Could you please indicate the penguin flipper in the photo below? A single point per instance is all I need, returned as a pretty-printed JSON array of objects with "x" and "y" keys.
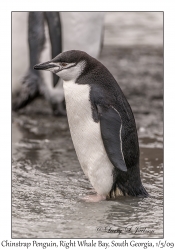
[{"x": 111, "y": 126}]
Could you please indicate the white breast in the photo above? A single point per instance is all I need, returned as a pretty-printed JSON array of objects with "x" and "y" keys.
[{"x": 86, "y": 137}]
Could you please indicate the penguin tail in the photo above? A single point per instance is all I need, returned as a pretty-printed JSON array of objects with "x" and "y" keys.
[
  {"x": 128, "y": 184},
  {"x": 138, "y": 192},
  {"x": 121, "y": 190}
]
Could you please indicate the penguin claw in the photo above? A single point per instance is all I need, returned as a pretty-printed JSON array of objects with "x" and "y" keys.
[{"x": 94, "y": 198}]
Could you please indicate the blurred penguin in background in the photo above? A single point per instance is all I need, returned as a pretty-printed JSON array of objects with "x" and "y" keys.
[{"x": 67, "y": 31}]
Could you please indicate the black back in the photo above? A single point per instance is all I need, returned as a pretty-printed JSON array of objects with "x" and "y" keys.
[
  {"x": 105, "y": 92},
  {"x": 106, "y": 97}
]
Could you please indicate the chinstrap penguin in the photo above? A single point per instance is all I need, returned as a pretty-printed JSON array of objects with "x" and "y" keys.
[{"x": 101, "y": 123}]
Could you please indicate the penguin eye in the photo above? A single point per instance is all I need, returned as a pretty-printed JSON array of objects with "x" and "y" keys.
[{"x": 63, "y": 64}]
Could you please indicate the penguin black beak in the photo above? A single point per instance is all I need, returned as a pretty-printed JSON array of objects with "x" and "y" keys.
[{"x": 45, "y": 66}]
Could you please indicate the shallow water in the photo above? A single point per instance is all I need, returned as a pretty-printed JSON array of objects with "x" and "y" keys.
[{"x": 47, "y": 184}]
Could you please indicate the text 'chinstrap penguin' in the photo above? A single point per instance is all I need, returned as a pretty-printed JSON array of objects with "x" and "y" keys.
[{"x": 101, "y": 123}]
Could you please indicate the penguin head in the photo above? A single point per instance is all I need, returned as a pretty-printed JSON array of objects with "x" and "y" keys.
[{"x": 68, "y": 65}]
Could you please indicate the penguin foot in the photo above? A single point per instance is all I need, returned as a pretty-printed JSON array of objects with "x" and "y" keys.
[
  {"x": 59, "y": 108},
  {"x": 28, "y": 91},
  {"x": 94, "y": 198}
]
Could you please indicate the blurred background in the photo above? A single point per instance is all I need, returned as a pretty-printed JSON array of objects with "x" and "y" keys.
[{"x": 47, "y": 179}]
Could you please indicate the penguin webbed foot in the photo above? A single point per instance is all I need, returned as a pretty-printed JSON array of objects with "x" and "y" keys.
[
  {"x": 28, "y": 91},
  {"x": 94, "y": 198},
  {"x": 58, "y": 108}
]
